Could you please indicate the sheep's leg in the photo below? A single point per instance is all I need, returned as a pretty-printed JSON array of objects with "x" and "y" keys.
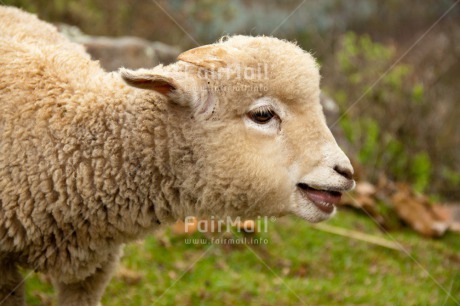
[
  {"x": 89, "y": 291},
  {"x": 11, "y": 285}
]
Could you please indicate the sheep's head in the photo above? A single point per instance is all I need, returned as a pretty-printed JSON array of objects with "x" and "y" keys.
[{"x": 249, "y": 110}]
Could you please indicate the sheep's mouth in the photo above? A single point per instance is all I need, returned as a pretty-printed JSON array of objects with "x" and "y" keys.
[{"x": 323, "y": 199}]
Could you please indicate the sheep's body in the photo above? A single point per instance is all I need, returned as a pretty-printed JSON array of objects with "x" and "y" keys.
[
  {"x": 88, "y": 163},
  {"x": 65, "y": 152}
]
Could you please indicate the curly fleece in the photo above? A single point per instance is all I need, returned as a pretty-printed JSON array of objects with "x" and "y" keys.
[{"x": 88, "y": 163}]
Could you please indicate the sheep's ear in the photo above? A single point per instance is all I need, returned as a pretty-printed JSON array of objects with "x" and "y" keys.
[
  {"x": 209, "y": 56},
  {"x": 147, "y": 80},
  {"x": 179, "y": 88}
]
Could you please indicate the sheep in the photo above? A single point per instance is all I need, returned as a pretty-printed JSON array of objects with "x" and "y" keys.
[{"x": 91, "y": 160}]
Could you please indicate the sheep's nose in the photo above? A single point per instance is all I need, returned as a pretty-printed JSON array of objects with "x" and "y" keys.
[{"x": 345, "y": 171}]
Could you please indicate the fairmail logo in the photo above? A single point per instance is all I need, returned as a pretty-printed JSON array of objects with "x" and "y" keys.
[{"x": 227, "y": 225}]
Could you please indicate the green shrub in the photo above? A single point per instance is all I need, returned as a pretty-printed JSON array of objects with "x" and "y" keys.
[{"x": 383, "y": 110}]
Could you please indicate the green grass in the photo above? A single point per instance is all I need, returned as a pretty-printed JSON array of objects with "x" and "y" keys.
[{"x": 299, "y": 266}]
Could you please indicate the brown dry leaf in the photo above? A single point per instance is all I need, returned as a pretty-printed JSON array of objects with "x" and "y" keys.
[
  {"x": 431, "y": 220},
  {"x": 417, "y": 212},
  {"x": 365, "y": 188},
  {"x": 441, "y": 213},
  {"x": 361, "y": 197},
  {"x": 365, "y": 197},
  {"x": 455, "y": 225}
]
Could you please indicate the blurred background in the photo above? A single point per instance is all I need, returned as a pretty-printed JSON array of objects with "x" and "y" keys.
[{"x": 390, "y": 81}]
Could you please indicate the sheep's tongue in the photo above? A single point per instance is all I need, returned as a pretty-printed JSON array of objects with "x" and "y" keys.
[
  {"x": 323, "y": 196},
  {"x": 324, "y": 200}
]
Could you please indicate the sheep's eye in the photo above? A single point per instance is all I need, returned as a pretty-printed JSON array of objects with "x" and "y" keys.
[{"x": 262, "y": 115}]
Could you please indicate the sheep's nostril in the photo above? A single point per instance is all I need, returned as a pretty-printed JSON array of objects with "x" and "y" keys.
[{"x": 345, "y": 172}]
